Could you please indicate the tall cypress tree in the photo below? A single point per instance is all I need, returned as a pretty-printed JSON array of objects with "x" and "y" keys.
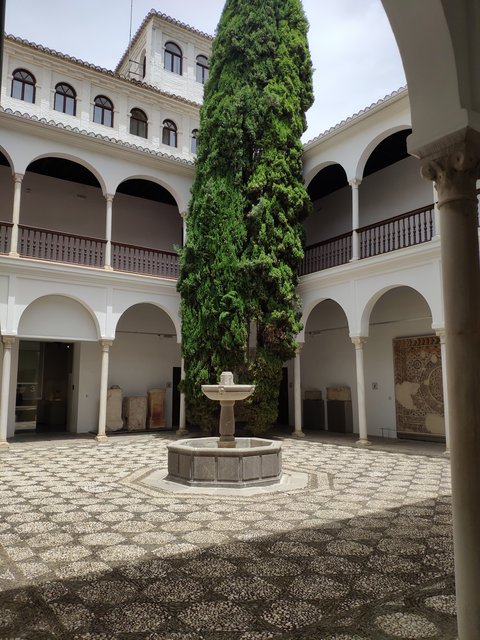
[{"x": 244, "y": 233}]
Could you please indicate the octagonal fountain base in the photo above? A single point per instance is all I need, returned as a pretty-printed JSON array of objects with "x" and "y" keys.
[{"x": 200, "y": 462}]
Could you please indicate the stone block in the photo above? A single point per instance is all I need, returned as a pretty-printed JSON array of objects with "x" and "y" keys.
[
  {"x": 270, "y": 465},
  {"x": 156, "y": 411},
  {"x": 185, "y": 467},
  {"x": 251, "y": 467},
  {"x": 204, "y": 468},
  {"x": 228, "y": 469},
  {"x": 135, "y": 412},
  {"x": 313, "y": 394},
  {"x": 173, "y": 463},
  {"x": 339, "y": 393},
  {"x": 114, "y": 421}
]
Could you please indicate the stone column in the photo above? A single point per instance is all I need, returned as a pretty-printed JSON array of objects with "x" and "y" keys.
[
  {"x": 108, "y": 233},
  {"x": 355, "y": 183},
  {"x": 441, "y": 334},
  {"x": 362, "y": 441},
  {"x": 454, "y": 164},
  {"x": 17, "y": 196},
  {"x": 8, "y": 342},
  {"x": 184, "y": 215},
  {"x": 102, "y": 414},
  {"x": 297, "y": 394},
  {"x": 182, "y": 429}
]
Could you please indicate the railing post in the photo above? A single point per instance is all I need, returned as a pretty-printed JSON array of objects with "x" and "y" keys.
[
  {"x": 355, "y": 183},
  {"x": 17, "y": 196},
  {"x": 108, "y": 233}
]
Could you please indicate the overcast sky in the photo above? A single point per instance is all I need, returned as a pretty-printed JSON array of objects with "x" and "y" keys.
[{"x": 354, "y": 53}]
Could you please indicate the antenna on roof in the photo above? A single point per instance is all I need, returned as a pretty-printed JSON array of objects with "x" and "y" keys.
[{"x": 130, "y": 35}]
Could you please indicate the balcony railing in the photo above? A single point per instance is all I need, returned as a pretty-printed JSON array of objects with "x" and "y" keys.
[
  {"x": 128, "y": 257},
  {"x": 402, "y": 231},
  {"x": 406, "y": 230},
  {"x": 45, "y": 244},
  {"x": 5, "y": 232},
  {"x": 326, "y": 254}
]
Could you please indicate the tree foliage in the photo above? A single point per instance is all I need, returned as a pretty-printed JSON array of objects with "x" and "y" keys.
[{"x": 244, "y": 233}]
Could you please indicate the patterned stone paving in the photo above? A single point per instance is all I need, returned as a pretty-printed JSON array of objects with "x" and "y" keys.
[{"x": 87, "y": 554}]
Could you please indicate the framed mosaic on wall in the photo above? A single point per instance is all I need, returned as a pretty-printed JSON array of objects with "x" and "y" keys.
[{"x": 418, "y": 388}]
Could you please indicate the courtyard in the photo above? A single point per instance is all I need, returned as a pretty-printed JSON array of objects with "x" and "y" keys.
[{"x": 89, "y": 550}]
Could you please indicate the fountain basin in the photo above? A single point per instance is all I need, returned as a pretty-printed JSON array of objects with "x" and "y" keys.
[{"x": 202, "y": 463}]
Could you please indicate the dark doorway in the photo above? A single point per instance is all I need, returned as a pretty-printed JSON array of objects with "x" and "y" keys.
[
  {"x": 44, "y": 370},
  {"x": 283, "y": 418},
  {"x": 176, "y": 377}
]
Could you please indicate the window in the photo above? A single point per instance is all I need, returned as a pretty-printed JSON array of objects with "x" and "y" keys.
[
  {"x": 169, "y": 133},
  {"x": 193, "y": 142},
  {"x": 23, "y": 86},
  {"x": 202, "y": 69},
  {"x": 65, "y": 99},
  {"x": 138, "y": 123},
  {"x": 173, "y": 58},
  {"x": 143, "y": 65},
  {"x": 103, "y": 111}
]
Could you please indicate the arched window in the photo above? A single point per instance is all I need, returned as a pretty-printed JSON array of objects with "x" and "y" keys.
[
  {"x": 169, "y": 133},
  {"x": 65, "y": 99},
  {"x": 202, "y": 69},
  {"x": 193, "y": 141},
  {"x": 138, "y": 123},
  {"x": 103, "y": 111},
  {"x": 23, "y": 85},
  {"x": 173, "y": 58}
]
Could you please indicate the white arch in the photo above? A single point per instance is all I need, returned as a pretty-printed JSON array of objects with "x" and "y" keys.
[
  {"x": 315, "y": 170},
  {"x": 362, "y": 161},
  {"x": 77, "y": 326},
  {"x": 162, "y": 183},
  {"x": 78, "y": 160},
  {"x": 341, "y": 294},
  {"x": 124, "y": 305}
]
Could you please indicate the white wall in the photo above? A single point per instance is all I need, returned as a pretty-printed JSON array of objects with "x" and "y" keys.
[
  {"x": 394, "y": 190},
  {"x": 332, "y": 216}
]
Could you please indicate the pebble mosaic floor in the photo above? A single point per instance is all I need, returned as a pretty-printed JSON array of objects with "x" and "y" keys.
[{"x": 89, "y": 553}]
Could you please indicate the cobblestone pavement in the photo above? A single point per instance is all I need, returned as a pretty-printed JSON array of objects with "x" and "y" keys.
[{"x": 89, "y": 553}]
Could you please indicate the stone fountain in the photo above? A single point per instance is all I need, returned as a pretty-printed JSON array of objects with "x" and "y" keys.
[{"x": 225, "y": 461}]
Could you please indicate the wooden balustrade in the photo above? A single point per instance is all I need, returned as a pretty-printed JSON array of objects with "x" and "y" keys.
[
  {"x": 45, "y": 244},
  {"x": 127, "y": 257},
  {"x": 327, "y": 254},
  {"x": 405, "y": 230},
  {"x": 5, "y": 234}
]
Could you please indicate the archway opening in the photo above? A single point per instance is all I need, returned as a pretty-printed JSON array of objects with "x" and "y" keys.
[
  {"x": 146, "y": 356},
  {"x": 6, "y": 188},
  {"x": 403, "y": 369}
]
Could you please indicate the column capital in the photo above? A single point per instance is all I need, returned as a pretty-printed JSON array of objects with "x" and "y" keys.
[
  {"x": 358, "y": 341},
  {"x": 299, "y": 347},
  {"x": 18, "y": 177},
  {"x": 8, "y": 341},
  {"x": 355, "y": 182},
  {"x": 184, "y": 214},
  {"x": 106, "y": 344},
  {"x": 453, "y": 164},
  {"x": 109, "y": 197},
  {"x": 441, "y": 334}
]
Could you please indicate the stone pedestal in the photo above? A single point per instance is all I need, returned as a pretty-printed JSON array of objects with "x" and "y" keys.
[
  {"x": 135, "y": 412},
  {"x": 114, "y": 420},
  {"x": 156, "y": 409}
]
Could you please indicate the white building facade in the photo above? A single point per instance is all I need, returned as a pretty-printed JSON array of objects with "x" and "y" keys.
[{"x": 95, "y": 171}]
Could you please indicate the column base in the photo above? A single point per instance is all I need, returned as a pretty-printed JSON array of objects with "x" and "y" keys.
[
  {"x": 13, "y": 254},
  {"x": 298, "y": 434},
  {"x": 101, "y": 438},
  {"x": 108, "y": 268},
  {"x": 363, "y": 443},
  {"x": 182, "y": 432},
  {"x": 4, "y": 445},
  {"x": 446, "y": 453},
  {"x": 354, "y": 259}
]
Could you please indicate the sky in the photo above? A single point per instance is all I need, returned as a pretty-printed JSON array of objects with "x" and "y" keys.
[{"x": 354, "y": 53}]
